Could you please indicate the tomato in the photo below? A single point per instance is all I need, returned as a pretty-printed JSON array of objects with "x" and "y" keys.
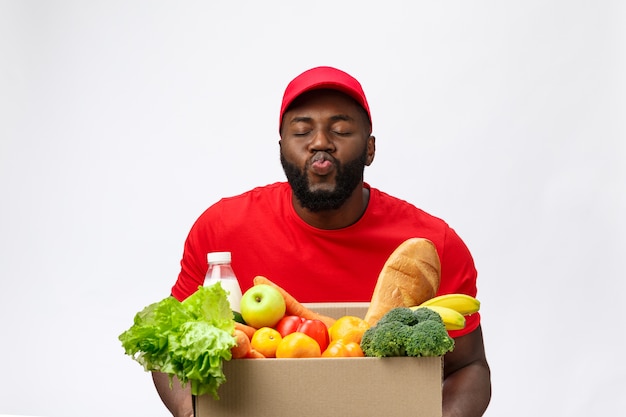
[
  {"x": 317, "y": 330},
  {"x": 298, "y": 345},
  {"x": 348, "y": 328},
  {"x": 312, "y": 328},
  {"x": 354, "y": 350},
  {"x": 342, "y": 349}
]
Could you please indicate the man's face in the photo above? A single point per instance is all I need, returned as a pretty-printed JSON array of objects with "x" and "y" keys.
[{"x": 324, "y": 148}]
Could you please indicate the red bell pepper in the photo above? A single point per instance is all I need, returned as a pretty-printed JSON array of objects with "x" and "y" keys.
[
  {"x": 313, "y": 328},
  {"x": 288, "y": 324}
]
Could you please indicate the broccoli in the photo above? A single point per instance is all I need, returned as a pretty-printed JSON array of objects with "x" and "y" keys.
[
  {"x": 428, "y": 338},
  {"x": 386, "y": 339},
  {"x": 404, "y": 332},
  {"x": 402, "y": 314},
  {"x": 424, "y": 314}
]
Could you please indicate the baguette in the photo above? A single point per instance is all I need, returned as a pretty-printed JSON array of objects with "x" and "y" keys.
[{"x": 409, "y": 277}]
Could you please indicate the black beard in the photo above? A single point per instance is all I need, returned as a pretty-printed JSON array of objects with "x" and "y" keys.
[{"x": 349, "y": 176}]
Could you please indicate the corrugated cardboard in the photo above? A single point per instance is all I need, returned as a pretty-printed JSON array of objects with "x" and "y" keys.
[{"x": 325, "y": 387}]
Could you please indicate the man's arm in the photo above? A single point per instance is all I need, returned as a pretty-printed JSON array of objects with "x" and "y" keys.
[
  {"x": 467, "y": 378},
  {"x": 176, "y": 398}
]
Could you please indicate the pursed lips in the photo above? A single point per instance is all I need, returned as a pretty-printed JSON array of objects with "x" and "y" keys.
[{"x": 322, "y": 163}]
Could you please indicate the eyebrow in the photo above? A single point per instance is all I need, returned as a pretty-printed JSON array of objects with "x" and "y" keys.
[
  {"x": 300, "y": 119},
  {"x": 343, "y": 117},
  {"x": 334, "y": 118}
]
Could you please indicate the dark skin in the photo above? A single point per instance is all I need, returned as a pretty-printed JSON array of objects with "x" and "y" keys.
[
  {"x": 334, "y": 127},
  {"x": 328, "y": 121},
  {"x": 331, "y": 124},
  {"x": 467, "y": 378},
  {"x": 177, "y": 399}
]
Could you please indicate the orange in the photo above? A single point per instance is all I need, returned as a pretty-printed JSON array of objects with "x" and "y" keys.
[
  {"x": 298, "y": 345},
  {"x": 341, "y": 349},
  {"x": 348, "y": 328},
  {"x": 265, "y": 340}
]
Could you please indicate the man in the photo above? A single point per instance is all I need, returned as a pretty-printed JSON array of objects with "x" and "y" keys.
[{"x": 325, "y": 234}]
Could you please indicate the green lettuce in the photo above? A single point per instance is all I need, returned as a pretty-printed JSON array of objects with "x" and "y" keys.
[{"x": 188, "y": 339}]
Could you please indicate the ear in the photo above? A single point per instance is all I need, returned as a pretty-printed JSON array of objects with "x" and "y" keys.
[{"x": 371, "y": 150}]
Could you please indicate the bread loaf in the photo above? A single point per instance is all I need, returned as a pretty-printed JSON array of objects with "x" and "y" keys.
[{"x": 409, "y": 277}]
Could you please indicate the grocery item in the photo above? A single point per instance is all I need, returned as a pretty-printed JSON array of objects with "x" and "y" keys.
[
  {"x": 463, "y": 303},
  {"x": 409, "y": 277},
  {"x": 294, "y": 307},
  {"x": 221, "y": 270}
]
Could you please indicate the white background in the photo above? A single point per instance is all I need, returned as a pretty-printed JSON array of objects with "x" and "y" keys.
[{"x": 121, "y": 121}]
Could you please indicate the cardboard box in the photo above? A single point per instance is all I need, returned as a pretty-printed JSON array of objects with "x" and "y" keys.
[{"x": 325, "y": 387}]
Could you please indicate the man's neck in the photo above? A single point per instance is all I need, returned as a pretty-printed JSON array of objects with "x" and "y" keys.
[{"x": 349, "y": 213}]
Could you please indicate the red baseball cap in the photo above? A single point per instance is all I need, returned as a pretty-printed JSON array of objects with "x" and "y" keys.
[{"x": 319, "y": 78}]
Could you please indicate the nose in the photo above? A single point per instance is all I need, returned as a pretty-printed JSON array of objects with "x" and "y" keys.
[{"x": 321, "y": 141}]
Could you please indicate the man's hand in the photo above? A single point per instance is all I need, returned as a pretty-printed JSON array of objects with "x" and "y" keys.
[
  {"x": 176, "y": 398},
  {"x": 467, "y": 378}
]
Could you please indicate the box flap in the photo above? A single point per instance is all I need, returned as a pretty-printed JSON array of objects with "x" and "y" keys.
[{"x": 336, "y": 310}]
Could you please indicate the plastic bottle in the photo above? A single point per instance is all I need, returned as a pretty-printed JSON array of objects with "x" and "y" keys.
[{"x": 221, "y": 270}]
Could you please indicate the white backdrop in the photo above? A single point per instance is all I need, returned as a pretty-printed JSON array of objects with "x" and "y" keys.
[{"x": 121, "y": 121}]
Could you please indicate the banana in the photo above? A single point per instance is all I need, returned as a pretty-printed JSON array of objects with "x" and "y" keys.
[
  {"x": 452, "y": 319},
  {"x": 462, "y": 303}
]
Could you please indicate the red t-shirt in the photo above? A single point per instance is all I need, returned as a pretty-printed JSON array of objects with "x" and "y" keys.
[{"x": 266, "y": 237}]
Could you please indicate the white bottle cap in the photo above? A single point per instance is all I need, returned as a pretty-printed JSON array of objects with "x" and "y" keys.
[{"x": 218, "y": 257}]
